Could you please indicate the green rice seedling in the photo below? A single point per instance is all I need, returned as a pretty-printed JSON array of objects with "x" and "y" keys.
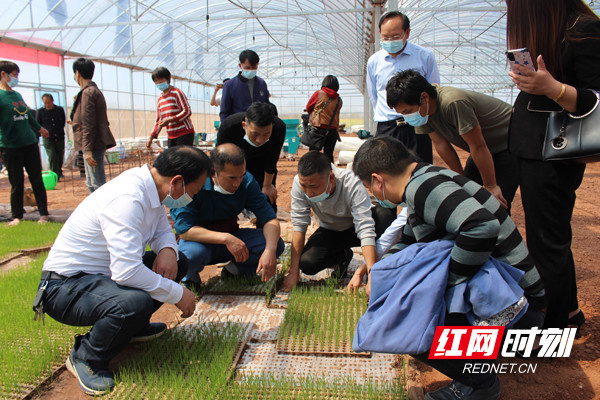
[
  {"x": 29, "y": 350},
  {"x": 27, "y": 235},
  {"x": 192, "y": 362}
]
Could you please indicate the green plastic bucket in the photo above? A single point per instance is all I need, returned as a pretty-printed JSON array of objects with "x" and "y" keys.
[{"x": 50, "y": 180}]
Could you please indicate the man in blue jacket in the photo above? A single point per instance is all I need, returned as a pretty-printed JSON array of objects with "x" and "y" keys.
[
  {"x": 246, "y": 88},
  {"x": 208, "y": 225}
]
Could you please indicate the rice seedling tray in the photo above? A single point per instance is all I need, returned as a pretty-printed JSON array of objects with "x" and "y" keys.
[{"x": 321, "y": 321}]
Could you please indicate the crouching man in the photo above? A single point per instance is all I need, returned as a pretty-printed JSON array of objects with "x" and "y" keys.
[
  {"x": 441, "y": 204},
  {"x": 208, "y": 225},
  {"x": 97, "y": 273},
  {"x": 343, "y": 207}
]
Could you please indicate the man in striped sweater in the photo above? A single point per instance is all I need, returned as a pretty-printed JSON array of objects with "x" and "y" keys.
[
  {"x": 441, "y": 204},
  {"x": 172, "y": 111}
]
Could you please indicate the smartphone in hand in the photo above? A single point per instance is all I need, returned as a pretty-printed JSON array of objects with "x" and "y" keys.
[{"x": 520, "y": 57}]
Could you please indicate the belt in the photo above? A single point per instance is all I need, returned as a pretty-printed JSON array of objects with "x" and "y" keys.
[
  {"x": 396, "y": 122},
  {"x": 52, "y": 276}
]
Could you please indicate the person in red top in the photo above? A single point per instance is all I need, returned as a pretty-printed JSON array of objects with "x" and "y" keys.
[
  {"x": 172, "y": 111},
  {"x": 324, "y": 109}
]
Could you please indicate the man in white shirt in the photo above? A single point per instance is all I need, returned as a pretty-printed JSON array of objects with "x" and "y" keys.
[
  {"x": 397, "y": 54},
  {"x": 97, "y": 273}
]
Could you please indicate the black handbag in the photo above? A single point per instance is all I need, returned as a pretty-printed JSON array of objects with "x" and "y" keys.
[
  {"x": 574, "y": 138},
  {"x": 314, "y": 137}
]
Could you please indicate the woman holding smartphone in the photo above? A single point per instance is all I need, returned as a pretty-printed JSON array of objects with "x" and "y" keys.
[{"x": 563, "y": 37}]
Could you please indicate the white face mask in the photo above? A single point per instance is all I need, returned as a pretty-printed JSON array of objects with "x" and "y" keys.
[
  {"x": 182, "y": 201},
  {"x": 218, "y": 188}
]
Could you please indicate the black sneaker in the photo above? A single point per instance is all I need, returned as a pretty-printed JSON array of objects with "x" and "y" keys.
[
  {"x": 152, "y": 331},
  {"x": 459, "y": 391},
  {"x": 92, "y": 382}
]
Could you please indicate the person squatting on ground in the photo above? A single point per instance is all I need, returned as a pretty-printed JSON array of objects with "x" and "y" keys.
[
  {"x": 172, "y": 111},
  {"x": 472, "y": 121},
  {"x": 343, "y": 207},
  {"x": 53, "y": 118},
  {"x": 97, "y": 273},
  {"x": 91, "y": 132},
  {"x": 563, "y": 37},
  {"x": 208, "y": 226},
  {"x": 442, "y": 204},
  {"x": 321, "y": 106},
  {"x": 260, "y": 134},
  {"x": 19, "y": 144}
]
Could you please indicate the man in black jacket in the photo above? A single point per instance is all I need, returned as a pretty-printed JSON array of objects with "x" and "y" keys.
[
  {"x": 52, "y": 117},
  {"x": 260, "y": 134}
]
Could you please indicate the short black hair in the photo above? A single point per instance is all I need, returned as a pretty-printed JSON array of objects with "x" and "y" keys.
[
  {"x": 331, "y": 82},
  {"x": 406, "y": 87},
  {"x": 383, "y": 154},
  {"x": 85, "y": 67},
  {"x": 395, "y": 14},
  {"x": 314, "y": 162},
  {"x": 48, "y": 95},
  {"x": 161, "y": 73},
  {"x": 260, "y": 114},
  {"x": 249, "y": 55},
  {"x": 9, "y": 67},
  {"x": 227, "y": 153},
  {"x": 187, "y": 161}
]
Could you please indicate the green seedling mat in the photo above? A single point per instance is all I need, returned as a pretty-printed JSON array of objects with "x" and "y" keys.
[
  {"x": 192, "y": 362},
  {"x": 24, "y": 342},
  {"x": 270, "y": 388},
  {"x": 314, "y": 322}
]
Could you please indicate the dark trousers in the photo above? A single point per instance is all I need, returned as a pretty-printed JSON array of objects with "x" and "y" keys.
[
  {"x": 186, "y": 140},
  {"x": 454, "y": 368},
  {"x": 325, "y": 249},
  {"x": 55, "y": 149},
  {"x": 507, "y": 174},
  {"x": 15, "y": 159},
  {"x": 256, "y": 166},
  {"x": 329, "y": 145},
  {"x": 548, "y": 195},
  {"x": 116, "y": 312},
  {"x": 202, "y": 254},
  {"x": 421, "y": 144}
]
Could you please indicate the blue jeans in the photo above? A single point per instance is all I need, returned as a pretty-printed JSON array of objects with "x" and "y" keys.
[
  {"x": 201, "y": 254},
  {"x": 94, "y": 176},
  {"x": 116, "y": 312}
]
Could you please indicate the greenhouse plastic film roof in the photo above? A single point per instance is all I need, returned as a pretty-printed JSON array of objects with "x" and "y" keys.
[{"x": 299, "y": 41}]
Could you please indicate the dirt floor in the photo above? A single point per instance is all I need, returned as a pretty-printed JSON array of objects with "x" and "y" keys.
[{"x": 577, "y": 377}]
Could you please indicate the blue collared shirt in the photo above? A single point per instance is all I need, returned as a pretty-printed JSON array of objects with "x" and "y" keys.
[
  {"x": 209, "y": 206},
  {"x": 382, "y": 66}
]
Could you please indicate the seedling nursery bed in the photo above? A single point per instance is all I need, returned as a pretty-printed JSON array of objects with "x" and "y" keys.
[{"x": 321, "y": 321}]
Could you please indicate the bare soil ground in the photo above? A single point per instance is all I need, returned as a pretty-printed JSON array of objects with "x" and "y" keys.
[{"x": 577, "y": 377}]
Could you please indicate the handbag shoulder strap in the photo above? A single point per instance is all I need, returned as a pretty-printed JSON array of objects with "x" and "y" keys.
[
  {"x": 333, "y": 114},
  {"x": 317, "y": 112}
]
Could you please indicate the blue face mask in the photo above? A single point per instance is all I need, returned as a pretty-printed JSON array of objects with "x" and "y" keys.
[
  {"x": 162, "y": 86},
  {"x": 219, "y": 189},
  {"x": 383, "y": 203},
  {"x": 247, "y": 139},
  {"x": 249, "y": 73},
  {"x": 416, "y": 119},
  {"x": 182, "y": 201},
  {"x": 13, "y": 82},
  {"x": 393, "y": 46},
  {"x": 319, "y": 198}
]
